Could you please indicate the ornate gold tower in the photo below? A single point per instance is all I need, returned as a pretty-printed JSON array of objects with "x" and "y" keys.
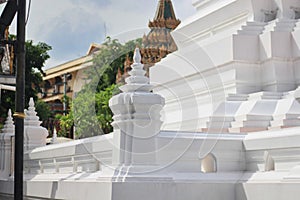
[{"x": 158, "y": 43}]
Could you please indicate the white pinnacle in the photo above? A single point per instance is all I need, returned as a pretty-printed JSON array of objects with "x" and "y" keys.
[
  {"x": 9, "y": 126},
  {"x": 31, "y": 118},
  {"x": 9, "y": 115},
  {"x": 54, "y": 137},
  {"x": 137, "y": 81},
  {"x": 31, "y": 103},
  {"x": 137, "y": 58}
]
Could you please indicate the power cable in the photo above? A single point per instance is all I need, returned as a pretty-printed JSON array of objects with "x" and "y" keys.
[{"x": 28, "y": 12}]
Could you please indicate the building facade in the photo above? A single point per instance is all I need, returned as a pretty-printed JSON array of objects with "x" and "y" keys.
[
  {"x": 63, "y": 82},
  {"x": 66, "y": 79}
]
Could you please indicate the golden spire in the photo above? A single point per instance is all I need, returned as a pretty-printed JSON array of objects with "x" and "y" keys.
[
  {"x": 165, "y": 10},
  {"x": 165, "y": 16}
]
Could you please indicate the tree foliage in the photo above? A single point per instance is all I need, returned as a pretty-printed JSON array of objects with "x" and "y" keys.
[
  {"x": 66, "y": 124},
  {"x": 91, "y": 113},
  {"x": 107, "y": 62},
  {"x": 43, "y": 110},
  {"x": 36, "y": 56},
  {"x": 103, "y": 112}
]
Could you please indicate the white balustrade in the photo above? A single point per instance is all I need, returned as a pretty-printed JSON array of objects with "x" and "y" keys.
[{"x": 6, "y": 150}]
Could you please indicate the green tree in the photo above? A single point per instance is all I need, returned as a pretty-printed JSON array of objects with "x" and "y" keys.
[
  {"x": 104, "y": 114},
  {"x": 107, "y": 62},
  {"x": 43, "y": 110},
  {"x": 91, "y": 112},
  {"x": 36, "y": 56},
  {"x": 7, "y": 102},
  {"x": 66, "y": 123},
  {"x": 84, "y": 115}
]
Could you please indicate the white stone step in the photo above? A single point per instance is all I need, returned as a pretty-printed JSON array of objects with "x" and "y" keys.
[
  {"x": 291, "y": 122},
  {"x": 218, "y": 124},
  {"x": 249, "y": 32},
  {"x": 286, "y": 116},
  {"x": 275, "y": 128},
  {"x": 253, "y": 117},
  {"x": 285, "y": 122},
  {"x": 214, "y": 130},
  {"x": 246, "y": 130},
  {"x": 252, "y": 28},
  {"x": 237, "y": 97},
  {"x": 266, "y": 95},
  {"x": 280, "y": 127},
  {"x": 283, "y": 29},
  {"x": 247, "y": 124},
  {"x": 221, "y": 119},
  {"x": 252, "y": 23}
]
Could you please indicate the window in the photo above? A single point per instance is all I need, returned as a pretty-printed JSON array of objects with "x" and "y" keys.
[{"x": 58, "y": 80}]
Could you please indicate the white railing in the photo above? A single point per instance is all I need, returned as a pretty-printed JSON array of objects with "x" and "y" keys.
[
  {"x": 12, "y": 155},
  {"x": 7, "y": 155},
  {"x": 86, "y": 155}
]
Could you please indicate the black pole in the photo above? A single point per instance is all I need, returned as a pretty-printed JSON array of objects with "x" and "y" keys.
[
  {"x": 65, "y": 94},
  {"x": 20, "y": 101}
]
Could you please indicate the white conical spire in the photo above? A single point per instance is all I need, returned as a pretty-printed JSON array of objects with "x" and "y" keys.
[
  {"x": 137, "y": 81},
  {"x": 137, "y": 58},
  {"x": 54, "y": 137},
  {"x": 31, "y": 118},
  {"x": 9, "y": 126}
]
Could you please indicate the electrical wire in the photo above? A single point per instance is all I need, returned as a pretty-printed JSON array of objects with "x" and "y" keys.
[{"x": 28, "y": 12}]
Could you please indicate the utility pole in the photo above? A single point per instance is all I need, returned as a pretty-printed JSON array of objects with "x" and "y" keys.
[{"x": 20, "y": 101}]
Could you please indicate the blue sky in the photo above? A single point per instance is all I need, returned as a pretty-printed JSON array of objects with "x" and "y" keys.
[{"x": 70, "y": 26}]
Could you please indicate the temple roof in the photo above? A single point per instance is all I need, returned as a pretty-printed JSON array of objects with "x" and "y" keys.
[
  {"x": 165, "y": 16},
  {"x": 165, "y": 10}
]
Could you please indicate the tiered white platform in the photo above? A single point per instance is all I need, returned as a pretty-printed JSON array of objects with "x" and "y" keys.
[{"x": 231, "y": 54}]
